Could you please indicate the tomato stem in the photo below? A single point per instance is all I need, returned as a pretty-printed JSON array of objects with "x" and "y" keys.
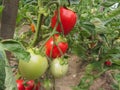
[
  {"x": 54, "y": 31},
  {"x": 53, "y": 83},
  {"x": 38, "y": 32},
  {"x": 59, "y": 20}
]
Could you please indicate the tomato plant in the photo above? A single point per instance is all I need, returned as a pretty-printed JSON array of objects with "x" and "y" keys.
[
  {"x": 33, "y": 69},
  {"x": 95, "y": 40},
  {"x": 56, "y": 46},
  {"x": 68, "y": 20},
  {"x": 59, "y": 67},
  {"x": 29, "y": 85}
]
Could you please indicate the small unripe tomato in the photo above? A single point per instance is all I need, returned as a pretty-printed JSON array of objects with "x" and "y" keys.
[{"x": 58, "y": 68}]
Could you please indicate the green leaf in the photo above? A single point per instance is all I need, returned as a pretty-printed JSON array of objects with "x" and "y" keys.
[
  {"x": 7, "y": 80},
  {"x": 114, "y": 13},
  {"x": 17, "y": 49},
  {"x": 2, "y": 69},
  {"x": 10, "y": 82},
  {"x": 78, "y": 50},
  {"x": 89, "y": 68},
  {"x": 85, "y": 33},
  {"x": 96, "y": 65},
  {"x": 107, "y": 3},
  {"x": 116, "y": 61},
  {"x": 117, "y": 77},
  {"x": 99, "y": 26},
  {"x": 89, "y": 26},
  {"x": 86, "y": 82}
]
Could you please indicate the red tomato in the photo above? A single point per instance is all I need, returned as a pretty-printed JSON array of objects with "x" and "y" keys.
[
  {"x": 20, "y": 84},
  {"x": 68, "y": 20},
  {"x": 108, "y": 63},
  {"x": 56, "y": 50},
  {"x": 29, "y": 85},
  {"x": 37, "y": 86}
]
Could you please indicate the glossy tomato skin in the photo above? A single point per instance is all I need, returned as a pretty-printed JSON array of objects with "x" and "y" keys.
[
  {"x": 58, "y": 69},
  {"x": 20, "y": 84},
  {"x": 68, "y": 20},
  {"x": 33, "y": 69},
  {"x": 53, "y": 50},
  {"x": 29, "y": 85}
]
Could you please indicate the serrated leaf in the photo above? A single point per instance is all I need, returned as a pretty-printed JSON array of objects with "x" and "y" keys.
[{"x": 16, "y": 48}]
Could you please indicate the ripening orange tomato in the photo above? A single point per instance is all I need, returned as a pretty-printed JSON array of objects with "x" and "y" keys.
[{"x": 32, "y": 26}]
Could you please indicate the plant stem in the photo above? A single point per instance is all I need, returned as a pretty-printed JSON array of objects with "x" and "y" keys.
[
  {"x": 53, "y": 83},
  {"x": 38, "y": 32},
  {"x": 54, "y": 31}
]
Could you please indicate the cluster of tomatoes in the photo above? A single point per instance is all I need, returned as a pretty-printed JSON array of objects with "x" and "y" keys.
[
  {"x": 29, "y": 85},
  {"x": 55, "y": 49}
]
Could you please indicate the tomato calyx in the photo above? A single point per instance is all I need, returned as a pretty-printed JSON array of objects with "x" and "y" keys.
[
  {"x": 61, "y": 39},
  {"x": 35, "y": 51},
  {"x": 63, "y": 61}
]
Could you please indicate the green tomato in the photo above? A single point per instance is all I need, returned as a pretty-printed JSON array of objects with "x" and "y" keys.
[
  {"x": 59, "y": 67},
  {"x": 35, "y": 68}
]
